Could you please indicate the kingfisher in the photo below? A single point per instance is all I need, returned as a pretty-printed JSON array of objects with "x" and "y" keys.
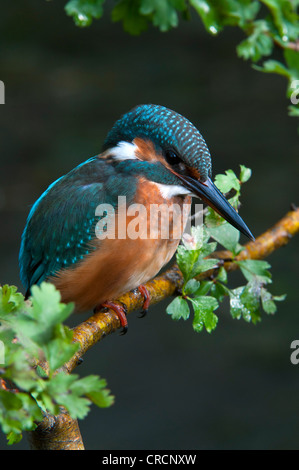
[{"x": 152, "y": 155}]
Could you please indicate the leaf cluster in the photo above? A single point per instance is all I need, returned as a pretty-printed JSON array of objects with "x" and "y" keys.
[
  {"x": 32, "y": 335},
  {"x": 264, "y": 23},
  {"x": 196, "y": 256}
]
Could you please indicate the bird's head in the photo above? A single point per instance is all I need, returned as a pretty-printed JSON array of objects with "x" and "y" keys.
[{"x": 156, "y": 134}]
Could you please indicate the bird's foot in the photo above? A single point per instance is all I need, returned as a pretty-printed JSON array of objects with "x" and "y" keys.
[
  {"x": 120, "y": 312},
  {"x": 147, "y": 298}
]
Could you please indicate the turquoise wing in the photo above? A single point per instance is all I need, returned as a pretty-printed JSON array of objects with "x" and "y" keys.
[{"x": 61, "y": 223}]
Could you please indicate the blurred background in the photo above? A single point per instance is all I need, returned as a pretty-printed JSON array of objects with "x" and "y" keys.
[{"x": 235, "y": 388}]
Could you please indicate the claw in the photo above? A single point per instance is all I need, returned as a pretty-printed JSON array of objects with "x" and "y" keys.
[
  {"x": 120, "y": 312},
  {"x": 143, "y": 291}
]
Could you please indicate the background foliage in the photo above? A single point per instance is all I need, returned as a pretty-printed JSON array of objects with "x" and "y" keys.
[{"x": 265, "y": 24}]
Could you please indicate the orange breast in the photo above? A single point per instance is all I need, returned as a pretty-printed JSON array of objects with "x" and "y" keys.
[{"x": 118, "y": 265}]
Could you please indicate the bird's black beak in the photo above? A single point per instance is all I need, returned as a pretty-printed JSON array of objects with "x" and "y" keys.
[{"x": 210, "y": 194}]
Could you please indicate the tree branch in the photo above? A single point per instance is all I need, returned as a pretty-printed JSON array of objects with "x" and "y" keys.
[
  {"x": 101, "y": 324},
  {"x": 59, "y": 432},
  {"x": 62, "y": 432}
]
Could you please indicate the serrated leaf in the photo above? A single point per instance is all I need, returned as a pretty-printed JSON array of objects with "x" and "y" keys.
[
  {"x": 10, "y": 299},
  {"x": 58, "y": 352},
  {"x": 163, "y": 12},
  {"x": 191, "y": 287},
  {"x": 186, "y": 259},
  {"x": 38, "y": 323},
  {"x": 255, "y": 269},
  {"x": 202, "y": 265},
  {"x": 178, "y": 309},
  {"x": 268, "y": 301},
  {"x": 285, "y": 18},
  {"x": 128, "y": 12},
  {"x": 227, "y": 235},
  {"x": 209, "y": 15},
  {"x": 257, "y": 44},
  {"x": 95, "y": 389},
  {"x": 84, "y": 11},
  {"x": 204, "y": 307},
  {"x": 227, "y": 182},
  {"x": 245, "y": 302},
  {"x": 245, "y": 173},
  {"x": 273, "y": 66}
]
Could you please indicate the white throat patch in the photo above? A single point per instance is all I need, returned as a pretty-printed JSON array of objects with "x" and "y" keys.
[
  {"x": 123, "y": 151},
  {"x": 170, "y": 190}
]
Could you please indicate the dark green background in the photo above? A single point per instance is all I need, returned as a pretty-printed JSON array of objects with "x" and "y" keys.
[{"x": 65, "y": 86}]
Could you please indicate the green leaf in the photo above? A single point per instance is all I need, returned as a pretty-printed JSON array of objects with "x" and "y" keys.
[
  {"x": 204, "y": 307},
  {"x": 58, "y": 352},
  {"x": 273, "y": 66},
  {"x": 10, "y": 299},
  {"x": 95, "y": 389},
  {"x": 257, "y": 44},
  {"x": 178, "y": 309},
  {"x": 219, "y": 291},
  {"x": 203, "y": 289},
  {"x": 227, "y": 235},
  {"x": 128, "y": 12},
  {"x": 84, "y": 11},
  {"x": 191, "y": 287},
  {"x": 255, "y": 269},
  {"x": 13, "y": 437},
  {"x": 268, "y": 301},
  {"x": 294, "y": 111},
  {"x": 244, "y": 302},
  {"x": 18, "y": 412},
  {"x": 245, "y": 173},
  {"x": 227, "y": 182},
  {"x": 32, "y": 332},
  {"x": 38, "y": 323},
  {"x": 222, "y": 275},
  {"x": 202, "y": 265},
  {"x": 186, "y": 259},
  {"x": 209, "y": 15},
  {"x": 285, "y": 18},
  {"x": 198, "y": 240},
  {"x": 163, "y": 12}
]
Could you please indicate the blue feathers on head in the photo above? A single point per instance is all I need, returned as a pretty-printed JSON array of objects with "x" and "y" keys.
[{"x": 167, "y": 129}]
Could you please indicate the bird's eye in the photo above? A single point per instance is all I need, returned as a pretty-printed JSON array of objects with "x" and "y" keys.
[{"x": 171, "y": 157}]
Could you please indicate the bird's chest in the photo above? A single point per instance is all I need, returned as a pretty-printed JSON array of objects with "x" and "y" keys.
[
  {"x": 141, "y": 239},
  {"x": 154, "y": 217},
  {"x": 154, "y": 227}
]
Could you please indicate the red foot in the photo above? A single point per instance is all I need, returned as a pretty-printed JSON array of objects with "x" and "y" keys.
[
  {"x": 147, "y": 298},
  {"x": 120, "y": 313}
]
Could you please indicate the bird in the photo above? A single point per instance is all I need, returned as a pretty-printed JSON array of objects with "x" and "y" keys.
[{"x": 152, "y": 155}]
